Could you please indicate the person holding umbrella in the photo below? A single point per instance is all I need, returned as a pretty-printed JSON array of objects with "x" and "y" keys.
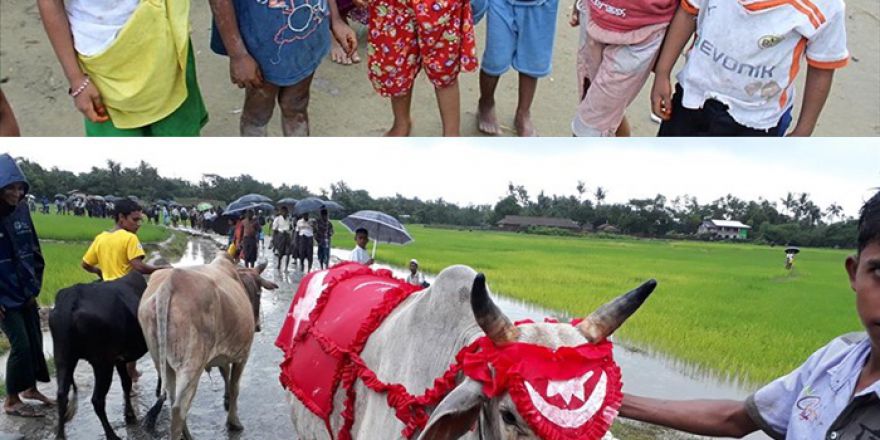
[
  {"x": 281, "y": 227},
  {"x": 359, "y": 254},
  {"x": 323, "y": 234},
  {"x": 382, "y": 227},
  {"x": 305, "y": 242},
  {"x": 249, "y": 228}
]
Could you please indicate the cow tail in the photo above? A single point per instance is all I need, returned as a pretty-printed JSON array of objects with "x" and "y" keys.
[{"x": 163, "y": 301}]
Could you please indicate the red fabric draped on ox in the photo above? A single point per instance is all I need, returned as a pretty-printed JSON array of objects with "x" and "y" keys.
[{"x": 331, "y": 317}]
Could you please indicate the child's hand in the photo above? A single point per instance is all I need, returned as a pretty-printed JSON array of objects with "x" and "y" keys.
[
  {"x": 661, "y": 97},
  {"x": 575, "y": 18},
  {"x": 245, "y": 72},
  {"x": 345, "y": 36},
  {"x": 89, "y": 103}
]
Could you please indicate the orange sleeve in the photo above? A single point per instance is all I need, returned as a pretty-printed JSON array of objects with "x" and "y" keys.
[
  {"x": 828, "y": 65},
  {"x": 689, "y": 7}
]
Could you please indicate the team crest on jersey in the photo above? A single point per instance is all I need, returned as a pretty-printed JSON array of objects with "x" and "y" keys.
[{"x": 768, "y": 41}]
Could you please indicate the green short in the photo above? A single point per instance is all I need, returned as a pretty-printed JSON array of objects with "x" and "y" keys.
[{"x": 187, "y": 120}]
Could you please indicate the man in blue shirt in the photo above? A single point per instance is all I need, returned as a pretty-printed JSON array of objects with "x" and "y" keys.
[
  {"x": 834, "y": 395},
  {"x": 21, "y": 276}
]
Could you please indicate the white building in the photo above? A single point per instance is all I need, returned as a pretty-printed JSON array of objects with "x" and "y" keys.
[{"x": 724, "y": 229}]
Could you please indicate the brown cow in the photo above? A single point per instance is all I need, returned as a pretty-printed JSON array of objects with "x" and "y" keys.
[{"x": 195, "y": 318}]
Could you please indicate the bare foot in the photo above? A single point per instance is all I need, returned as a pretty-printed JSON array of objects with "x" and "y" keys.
[
  {"x": 487, "y": 122},
  {"x": 337, "y": 53},
  {"x": 399, "y": 129},
  {"x": 524, "y": 126},
  {"x": 34, "y": 394}
]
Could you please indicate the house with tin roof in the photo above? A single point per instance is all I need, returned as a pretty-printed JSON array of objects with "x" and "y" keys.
[{"x": 724, "y": 229}]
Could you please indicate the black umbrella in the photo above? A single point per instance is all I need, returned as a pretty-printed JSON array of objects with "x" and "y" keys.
[
  {"x": 312, "y": 204},
  {"x": 221, "y": 224},
  {"x": 792, "y": 250},
  {"x": 60, "y": 197},
  {"x": 289, "y": 202},
  {"x": 381, "y": 227},
  {"x": 161, "y": 202},
  {"x": 253, "y": 198}
]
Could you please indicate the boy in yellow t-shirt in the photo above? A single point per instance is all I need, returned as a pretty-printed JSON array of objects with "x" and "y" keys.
[{"x": 116, "y": 252}]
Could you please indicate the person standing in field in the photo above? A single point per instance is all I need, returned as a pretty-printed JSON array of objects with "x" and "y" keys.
[
  {"x": 274, "y": 49},
  {"x": 129, "y": 65},
  {"x": 21, "y": 278},
  {"x": 415, "y": 277},
  {"x": 323, "y": 235},
  {"x": 519, "y": 34},
  {"x": 406, "y": 36},
  {"x": 620, "y": 40},
  {"x": 835, "y": 394},
  {"x": 739, "y": 77},
  {"x": 116, "y": 252}
]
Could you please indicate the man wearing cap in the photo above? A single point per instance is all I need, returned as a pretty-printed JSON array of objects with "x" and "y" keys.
[
  {"x": 21, "y": 277},
  {"x": 415, "y": 277}
]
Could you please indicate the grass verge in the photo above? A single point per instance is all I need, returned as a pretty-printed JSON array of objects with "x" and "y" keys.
[
  {"x": 73, "y": 228},
  {"x": 729, "y": 309}
]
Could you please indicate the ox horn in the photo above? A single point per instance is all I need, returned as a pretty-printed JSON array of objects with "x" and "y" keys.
[
  {"x": 490, "y": 318},
  {"x": 606, "y": 319}
]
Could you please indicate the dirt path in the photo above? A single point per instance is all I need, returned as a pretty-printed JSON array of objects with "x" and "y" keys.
[{"x": 344, "y": 104}]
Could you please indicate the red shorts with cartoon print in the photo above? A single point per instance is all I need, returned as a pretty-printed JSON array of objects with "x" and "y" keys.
[{"x": 408, "y": 34}]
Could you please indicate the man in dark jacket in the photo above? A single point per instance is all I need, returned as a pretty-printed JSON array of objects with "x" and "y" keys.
[{"x": 21, "y": 276}]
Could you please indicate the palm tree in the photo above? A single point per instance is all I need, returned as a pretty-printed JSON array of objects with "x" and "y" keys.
[
  {"x": 789, "y": 202},
  {"x": 600, "y": 195},
  {"x": 834, "y": 211}
]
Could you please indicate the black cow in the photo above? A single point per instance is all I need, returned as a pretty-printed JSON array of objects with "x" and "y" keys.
[{"x": 97, "y": 322}]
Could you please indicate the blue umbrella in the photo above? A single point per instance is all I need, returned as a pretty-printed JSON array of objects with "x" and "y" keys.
[
  {"x": 381, "y": 227},
  {"x": 236, "y": 208},
  {"x": 312, "y": 204},
  {"x": 288, "y": 202},
  {"x": 253, "y": 198}
]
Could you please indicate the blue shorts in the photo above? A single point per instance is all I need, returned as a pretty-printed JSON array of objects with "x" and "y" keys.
[{"x": 520, "y": 34}]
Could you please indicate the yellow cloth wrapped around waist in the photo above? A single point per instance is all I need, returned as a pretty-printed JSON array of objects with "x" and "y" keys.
[{"x": 142, "y": 75}]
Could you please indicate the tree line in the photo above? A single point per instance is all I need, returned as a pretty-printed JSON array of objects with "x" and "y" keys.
[{"x": 792, "y": 219}]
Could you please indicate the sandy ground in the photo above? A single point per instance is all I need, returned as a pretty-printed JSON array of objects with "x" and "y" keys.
[{"x": 344, "y": 103}]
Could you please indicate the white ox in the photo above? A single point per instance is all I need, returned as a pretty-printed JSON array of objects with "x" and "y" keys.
[
  {"x": 420, "y": 339},
  {"x": 195, "y": 318}
]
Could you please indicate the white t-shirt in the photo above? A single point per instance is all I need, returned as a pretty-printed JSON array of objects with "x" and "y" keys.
[
  {"x": 96, "y": 23},
  {"x": 281, "y": 224},
  {"x": 747, "y": 53},
  {"x": 360, "y": 255},
  {"x": 416, "y": 279},
  {"x": 304, "y": 227}
]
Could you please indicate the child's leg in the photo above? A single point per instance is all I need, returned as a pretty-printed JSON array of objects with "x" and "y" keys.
[
  {"x": 258, "y": 107},
  {"x": 497, "y": 57},
  {"x": 619, "y": 71},
  {"x": 294, "y": 102},
  {"x": 449, "y": 101},
  {"x": 523, "y": 119},
  {"x": 400, "y": 106},
  {"x": 487, "y": 122}
]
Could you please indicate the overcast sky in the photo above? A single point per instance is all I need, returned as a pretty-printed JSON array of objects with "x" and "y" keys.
[{"x": 477, "y": 170}]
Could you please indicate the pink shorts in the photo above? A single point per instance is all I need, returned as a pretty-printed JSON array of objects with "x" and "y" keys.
[{"x": 616, "y": 65}]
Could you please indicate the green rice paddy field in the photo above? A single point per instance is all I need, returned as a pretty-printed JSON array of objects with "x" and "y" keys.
[{"x": 731, "y": 309}]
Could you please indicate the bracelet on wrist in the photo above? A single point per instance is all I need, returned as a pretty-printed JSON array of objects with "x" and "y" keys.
[{"x": 80, "y": 89}]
